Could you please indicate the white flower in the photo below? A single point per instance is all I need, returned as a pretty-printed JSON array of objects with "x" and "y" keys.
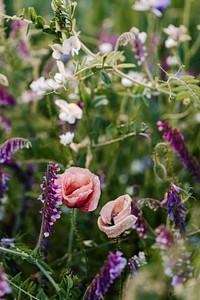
[
  {"x": 57, "y": 51},
  {"x": 105, "y": 48},
  {"x": 69, "y": 112},
  {"x": 63, "y": 75},
  {"x": 41, "y": 86},
  {"x": 176, "y": 35},
  {"x": 172, "y": 61},
  {"x": 71, "y": 45},
  {"x": 134, "y": 75},
  {"x": 155, "y": 6},
  {"x": 66, "y": 138}
]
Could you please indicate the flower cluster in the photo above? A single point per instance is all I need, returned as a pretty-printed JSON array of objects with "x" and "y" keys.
[
  {"x": 176, "y": 261},
  {"x": 69, "y": 46},
  {"x": 165, "y": 238},
  {"x": 176, "y": 35},
  {"x": 112, "y": 268},
  {"x": 51, "y": 199},
  {"x": 176, "y": 140},
  {"x": 4, "y": 177},
  {"x": 10, "y": 147},
  {"x": 157, "y": 7},
  {"x": 6, "y": 99},
  {"x": 136, "y": 262},
  {"x": 139, "y": 225},
  {"x": 138, "y": 44},
  {"x": 4, "y": 286},
  {"x": 175, "y": 209}
]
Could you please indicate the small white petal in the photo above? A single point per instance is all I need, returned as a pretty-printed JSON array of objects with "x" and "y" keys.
[{"x": 66, "y": 138}]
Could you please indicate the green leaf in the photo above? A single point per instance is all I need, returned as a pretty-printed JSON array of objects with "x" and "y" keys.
[
  {"x": 39, "y": 23},
  {"x": 105, "y": 78},
  {"x": 32, "y": 14},
  {"x": 125, "y": 66},
  {"x": 45, "y": 266}
]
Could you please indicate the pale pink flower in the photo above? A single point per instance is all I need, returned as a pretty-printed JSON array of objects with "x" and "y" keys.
[
  {"x": 80, "y": 188},
  {"x": 115, "y": 216},
  {"x": 69, "y": 112}
]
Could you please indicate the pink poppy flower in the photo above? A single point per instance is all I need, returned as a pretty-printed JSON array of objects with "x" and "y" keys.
[
  {"x": 80, "y": 188},
  {"x": 115, "y": 216}
]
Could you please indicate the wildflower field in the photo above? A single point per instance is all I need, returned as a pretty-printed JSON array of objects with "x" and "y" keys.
[{"x": 99, "y": 150}]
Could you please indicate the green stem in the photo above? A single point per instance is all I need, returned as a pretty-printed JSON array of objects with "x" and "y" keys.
[
  {"x": 118, "y": 247},
  {"x": 186, "y": 23},
  {"x": 21, "y": 254},
  {"x": 48, "y": 276},
  {"x": 79, "y": 240},
  {"x": 71, "y": 235},
  {"x": 121, "y": 138}
]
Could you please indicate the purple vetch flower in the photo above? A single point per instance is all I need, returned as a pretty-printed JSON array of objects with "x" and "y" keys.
[
  {"x": 10, "y": 147},
  {"x": 4, "y": 177},
  {"x": 138, "y": 45},
  {"x": 51, "y": 199},
  {"x": 5, "y": 98},
  {"x": 175, "y": 208},
  {"x": 157, "y": 7},
  {"x": 23, "y": 49},
  {"x": 5, "y": 124},
  {"x": 136, "y": 262},
  {"x": 176, "y": 141},
  {"x": 4, "y": 286},
  {"x": 18, "y": 25},
  {"x": 112, "y": 268},
  {"x": 139, "y": 225},
  {"x": 165, "y": 238},
  {"x": 176, "y": 262}
]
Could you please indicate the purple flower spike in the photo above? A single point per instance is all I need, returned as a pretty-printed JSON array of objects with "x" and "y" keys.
[
  {"x": 165, "y": 238},
  {"x": 51, "y": 199},
  {"x": 176, "y": 141},
  {"x": 3, "y": 178},
  {"x": 112, "y": 268},
  {"x": 175, "y": 208},
  {"x": 139, "y": 225},
  {"x": 4, "y": 286},
  {"x": 136, "y": 262},
  {"x": 10, "y": 147},
  {"x": 5, "y": 98},
  {"x": 138, "y": 45}
]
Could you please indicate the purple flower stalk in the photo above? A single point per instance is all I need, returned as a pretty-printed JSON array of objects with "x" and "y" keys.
[
  {"x": 176, "y": 262},
  {"x": 52, "y": 200},
  {"x": 136, "y": 262},
  {"x": 5, "y": 124},
  {"x": 139, "y": 225},
  {"x": 10, "y": 147},
  {"x": 112, "y": 268},
  {"x": 4, "y": 177},
  {"x": 4, "y": 286},
  {"x": 165, "y": 238},
  {"x": 175, "y": 208},
  {"x": 138, "y": 45},
  {"x": 176, "y": 141},
  {"x": 5, "y": 98}
]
